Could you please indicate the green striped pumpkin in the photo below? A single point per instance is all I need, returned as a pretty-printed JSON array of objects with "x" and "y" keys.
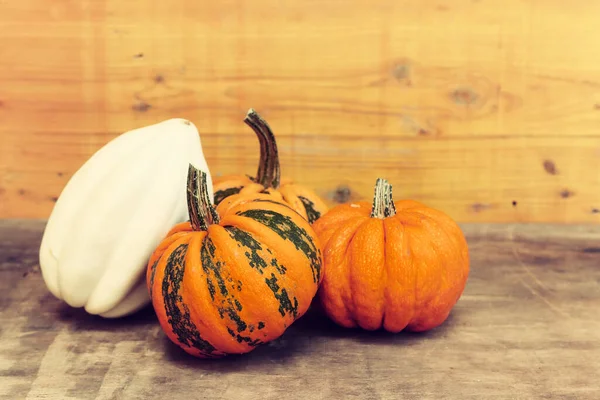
[{"x": 234, "y": 277}]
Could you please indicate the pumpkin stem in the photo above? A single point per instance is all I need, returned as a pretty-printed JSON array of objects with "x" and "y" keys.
[
  {"x": 268, "y": 173},
  {"x": 200, "y": 209},
  {"x": 383, "y": 201}
]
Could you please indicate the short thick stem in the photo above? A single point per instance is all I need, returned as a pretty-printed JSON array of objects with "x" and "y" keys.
[
  {"x": 201, "y": 211},
  {"x": 268, "y": 173},
  {"x": 383, "y": 201}
]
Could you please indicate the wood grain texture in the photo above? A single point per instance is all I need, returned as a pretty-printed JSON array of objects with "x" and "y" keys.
[
  {"x": 468, "y": 105},
  {"x": 527, "y": 327}
]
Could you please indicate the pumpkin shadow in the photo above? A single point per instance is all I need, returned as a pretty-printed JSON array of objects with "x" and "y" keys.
[
  {"x": 316, "y": 324},
  {"x": 79, "y": 320},
  {"x": 312, "y": 333},
  {"x": 275, "y": 353},
  {"x": 292, "y": 345}
]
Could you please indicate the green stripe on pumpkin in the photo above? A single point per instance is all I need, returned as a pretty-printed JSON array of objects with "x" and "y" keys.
[
  {"x": 251, "y": 245},
  {"x": 280, "y": 268},
  {"x": 228, "y": 306},
  {"x": 285, "y": 303},
  {"x": 220, "y": 195},
  {"x": 152, "y": 274},
  {"x": 309, "y": 206},
  {"x": 207, "y": 254},
  {"x": 281, "y": 203},
  {"x": 287, "y": 229},
  {"x": 183, "y": 328}
]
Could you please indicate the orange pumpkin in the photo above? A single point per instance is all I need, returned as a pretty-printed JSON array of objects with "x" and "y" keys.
[
  {"x": 233, "y": 277},
  {"x": 391, "y": 265},
  {"x": 302, "y": 199}
]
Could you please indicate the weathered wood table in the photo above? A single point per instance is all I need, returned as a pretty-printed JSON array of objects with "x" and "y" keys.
[{"x": 527, "y": 327}]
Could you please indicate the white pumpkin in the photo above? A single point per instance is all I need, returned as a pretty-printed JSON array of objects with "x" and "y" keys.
[{"x": 112, "y": 214}]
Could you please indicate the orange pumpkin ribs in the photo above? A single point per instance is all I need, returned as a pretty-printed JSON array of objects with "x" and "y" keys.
[{"x": 391, "y": 265}]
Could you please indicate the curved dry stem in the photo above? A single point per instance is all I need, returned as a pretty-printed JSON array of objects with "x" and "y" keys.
[
  {"x": 268, "y": 174},
  {"x": 201, "y": 212}
]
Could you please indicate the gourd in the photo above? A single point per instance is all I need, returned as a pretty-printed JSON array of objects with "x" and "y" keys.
[
  {"x": 390, "y": 265},
  {"x": 234, "y": 277},
  {"x": 268, "y": 178},
  {"x": 113, "y": 212}
]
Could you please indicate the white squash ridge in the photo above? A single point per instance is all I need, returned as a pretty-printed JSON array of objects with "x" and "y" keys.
[
  {"x": 109, "y": 290},
  {"x": 81, "y": 264},
  {"x": 83, "y": 180},
  {"x": 138, "y": 253},
  {"x": 136, "y": 296}
]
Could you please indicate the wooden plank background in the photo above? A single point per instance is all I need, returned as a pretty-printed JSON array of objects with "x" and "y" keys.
[{"x": 486, "y": 109}]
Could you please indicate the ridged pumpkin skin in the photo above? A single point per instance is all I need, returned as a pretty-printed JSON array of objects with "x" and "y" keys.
[
  {"x": 238, "y": 284},
  {"x": 404, "y": 271},
  {"x": 300, "y": 198}
]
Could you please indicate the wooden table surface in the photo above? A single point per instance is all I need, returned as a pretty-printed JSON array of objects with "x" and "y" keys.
[{"x": 527, "y": 327}]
